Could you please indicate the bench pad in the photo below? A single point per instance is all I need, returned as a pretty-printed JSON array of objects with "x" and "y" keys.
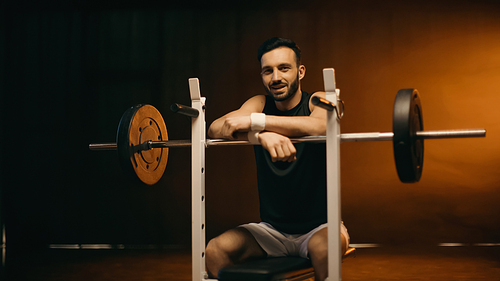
[{"x": 264, "y": 269}]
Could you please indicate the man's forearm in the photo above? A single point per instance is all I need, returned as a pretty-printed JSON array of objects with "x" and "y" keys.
[
  {"x": 296, "y": 126},
  {"x": 287, "y": 126}
]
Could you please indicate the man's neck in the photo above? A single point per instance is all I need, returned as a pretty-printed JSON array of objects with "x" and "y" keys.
[{"x": 291, "y": 102}]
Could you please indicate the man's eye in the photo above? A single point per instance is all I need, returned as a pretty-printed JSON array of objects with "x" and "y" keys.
[
  {"x": 266, "y": 71},
  {"x": 284, "y": 68}
]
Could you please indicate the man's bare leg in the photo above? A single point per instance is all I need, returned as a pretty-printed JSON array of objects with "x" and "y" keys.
[
  {"x": 318, "y": 252},
  {"x": 232, "y": 247}
]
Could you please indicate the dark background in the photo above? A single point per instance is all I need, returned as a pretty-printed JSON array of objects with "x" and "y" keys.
[{"x": 68, "y": 71}]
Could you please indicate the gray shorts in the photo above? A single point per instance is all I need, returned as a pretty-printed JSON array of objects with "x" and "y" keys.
[{"x": 278, "y": 244}]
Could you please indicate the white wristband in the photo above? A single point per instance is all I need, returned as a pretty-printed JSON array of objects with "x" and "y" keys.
[
  {"x": 257, "y": 122},
  {"x": 253, "y": 137}
]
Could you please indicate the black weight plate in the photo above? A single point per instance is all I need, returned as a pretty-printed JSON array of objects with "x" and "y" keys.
[
  {"x": 408, "y": 150},
  {"x": 139, "y": 124}
]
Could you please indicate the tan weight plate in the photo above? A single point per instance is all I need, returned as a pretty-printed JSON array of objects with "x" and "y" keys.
[{"x": 139, "y": 124}]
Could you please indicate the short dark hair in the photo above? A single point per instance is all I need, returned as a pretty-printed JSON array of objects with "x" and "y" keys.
[{"x": 276, "y": 42}]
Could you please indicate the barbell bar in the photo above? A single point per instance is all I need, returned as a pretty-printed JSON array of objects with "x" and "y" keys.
[
  {"x": 142, "y": 139},
  {"x": 344, "y": 137}
]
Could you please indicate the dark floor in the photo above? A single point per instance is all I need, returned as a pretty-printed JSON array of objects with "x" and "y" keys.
[{"x": 384, "y": 263}]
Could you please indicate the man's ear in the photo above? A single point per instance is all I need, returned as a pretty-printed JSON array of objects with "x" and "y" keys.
[{"x": 302, "y": 71}]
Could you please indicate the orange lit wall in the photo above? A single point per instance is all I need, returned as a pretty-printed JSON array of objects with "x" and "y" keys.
[{"x": 450, "y": 53}]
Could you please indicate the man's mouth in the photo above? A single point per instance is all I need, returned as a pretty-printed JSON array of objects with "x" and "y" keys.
[{"x": 278, "y": 87}]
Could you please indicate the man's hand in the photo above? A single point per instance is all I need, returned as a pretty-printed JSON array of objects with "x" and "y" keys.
[
  {"x": 280, "y": 147},
  {"x": 233, "y": 125}
]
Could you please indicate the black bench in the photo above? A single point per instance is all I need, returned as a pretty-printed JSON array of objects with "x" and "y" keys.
[{"x": 273, "y": 269}]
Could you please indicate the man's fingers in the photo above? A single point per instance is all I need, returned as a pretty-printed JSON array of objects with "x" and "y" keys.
[
  {"x": 233, "y": 125},
  {"x": 274, "y": 155},
  {"x": 284, "y": 153},
  {"x": 288, "y": 155},
  {"x": 293, "y": 152},
  {"x": 280, "y": 148}
]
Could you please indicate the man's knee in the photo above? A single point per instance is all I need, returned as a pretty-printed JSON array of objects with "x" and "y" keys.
[
  {"x": 229, "y": 243},
  {"x": 221, "y": 251},
  {"x": 318, "y": 244},
  {"x": 234, "y": 244},
  {"x": 213, "y": 248}
]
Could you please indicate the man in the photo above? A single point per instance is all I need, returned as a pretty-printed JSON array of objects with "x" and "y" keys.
[{"x": 291, "y": 178}]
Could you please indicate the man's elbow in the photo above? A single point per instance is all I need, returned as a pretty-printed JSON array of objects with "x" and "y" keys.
[
  {"x": 210, "y": 132},
  {"x": 319, "y": 128},
  {"x": 310, "y": 131},
  {"x": 319, "y": 132}
]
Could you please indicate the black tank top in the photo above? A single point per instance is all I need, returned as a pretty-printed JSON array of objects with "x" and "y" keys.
[{"x": 292, "y": 195}]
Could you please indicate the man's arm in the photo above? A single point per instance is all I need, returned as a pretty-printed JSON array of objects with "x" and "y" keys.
[
  {"x": 274, "y": 138},
  {"x": 298, "y": 126},
  {"x": 237, "y": 121}
]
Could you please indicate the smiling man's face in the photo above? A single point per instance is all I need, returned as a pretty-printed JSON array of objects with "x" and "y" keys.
[{"x": 280, "y": 73}]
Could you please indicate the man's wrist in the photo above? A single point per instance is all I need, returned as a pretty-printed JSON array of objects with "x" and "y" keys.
[
  {"x": 253, "y": 137},
  {"x": 257, "y": 122}
]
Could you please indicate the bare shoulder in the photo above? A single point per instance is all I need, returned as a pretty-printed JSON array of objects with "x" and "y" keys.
[{"x": 316, "y": 94}]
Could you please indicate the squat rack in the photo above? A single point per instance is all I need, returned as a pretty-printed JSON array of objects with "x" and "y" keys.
[{"x": 198, "y": 144}]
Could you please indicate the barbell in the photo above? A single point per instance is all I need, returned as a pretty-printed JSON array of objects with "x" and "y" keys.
[{"x": 142, "y": 140}]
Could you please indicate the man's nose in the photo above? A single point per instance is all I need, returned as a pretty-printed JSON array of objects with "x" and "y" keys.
[{"x": 276, "y": 75}]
